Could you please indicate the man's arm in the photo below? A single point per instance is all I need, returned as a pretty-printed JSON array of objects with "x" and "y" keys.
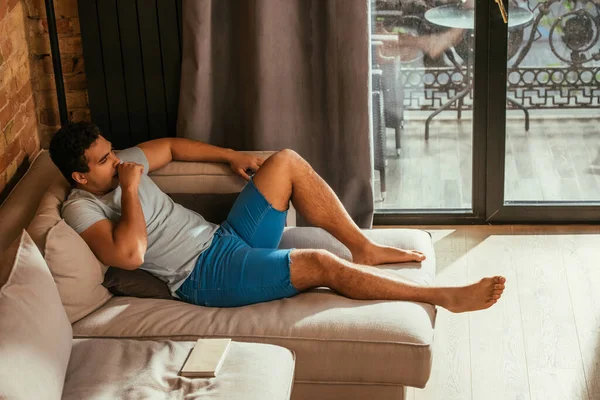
[
  {"x": 122, "y": 244},
  {"x": 160, "y": 152}
]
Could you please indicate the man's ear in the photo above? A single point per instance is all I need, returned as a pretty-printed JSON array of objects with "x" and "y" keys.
[{"x": 79, "y": 177}]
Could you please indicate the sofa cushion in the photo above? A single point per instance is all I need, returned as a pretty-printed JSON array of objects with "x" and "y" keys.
[
  {"x": 131, "y": 369},
  {"x": 336, "y": 339},
  {"x": 413, "y": 239},
  {"x": 77, "y": 272},
  {"x": 48, "y": 212},
  {"x": 136, "y": 283},
  {"x": 80, "y": 288},
  {"x": 35, "y": 334}
]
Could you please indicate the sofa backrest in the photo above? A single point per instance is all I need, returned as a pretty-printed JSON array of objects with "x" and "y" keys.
[
  {"x": 185, "y": 182},
  {"x": 19, "y": 207}
]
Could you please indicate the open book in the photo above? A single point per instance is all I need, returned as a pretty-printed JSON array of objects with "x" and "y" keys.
[{"x": 206, "y": 358}]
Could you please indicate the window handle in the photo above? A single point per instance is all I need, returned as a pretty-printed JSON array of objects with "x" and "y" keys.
[{"x": 502, "y": 11}]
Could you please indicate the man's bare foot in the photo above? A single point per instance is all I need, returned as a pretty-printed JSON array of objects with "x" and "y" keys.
[
  {"x": 478, "y": 296},
  {"x": 376, "y": 254}
]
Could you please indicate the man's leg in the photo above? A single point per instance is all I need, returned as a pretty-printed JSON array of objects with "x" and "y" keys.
[
  {"x": 285, "y": 175},
  {"x": 314, "y": 268},
  {"x": 434, "y": 45}
]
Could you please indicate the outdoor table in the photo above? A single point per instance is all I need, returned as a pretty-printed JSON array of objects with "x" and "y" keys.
[{"x": 457, "y": 17}]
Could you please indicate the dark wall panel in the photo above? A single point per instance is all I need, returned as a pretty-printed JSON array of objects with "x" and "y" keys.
[
  {"x": 132, "y": 50},
  {"x": 94, "y": 65},
  {"x": 171, "y": 55},
  {"x": 153, "y": 72},
  {"x": 133, "y": 71},
  {"x": 113, "y": 72}
]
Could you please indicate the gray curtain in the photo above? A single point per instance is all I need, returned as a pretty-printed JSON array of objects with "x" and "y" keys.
[{"x": 274, "y": 74}]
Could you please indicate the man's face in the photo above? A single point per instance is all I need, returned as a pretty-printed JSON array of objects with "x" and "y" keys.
[{"x": 102, "y": 162}]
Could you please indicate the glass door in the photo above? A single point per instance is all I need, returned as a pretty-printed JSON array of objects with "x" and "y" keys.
[
  {"x": 428, "y": 109},
  {"x": 544, "y": 146}
]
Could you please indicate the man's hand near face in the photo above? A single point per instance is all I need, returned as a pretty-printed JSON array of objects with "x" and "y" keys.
[{"x": 129, "y": 174}]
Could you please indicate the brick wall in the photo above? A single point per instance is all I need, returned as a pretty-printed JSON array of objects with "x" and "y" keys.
[
  {"x": 69, "y": 41},
  {"x": 28, "y": 106},
  {"x": 19, "y": 138}
]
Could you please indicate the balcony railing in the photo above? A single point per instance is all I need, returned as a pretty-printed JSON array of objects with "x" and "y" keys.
[{"x": 554, "y": 62}]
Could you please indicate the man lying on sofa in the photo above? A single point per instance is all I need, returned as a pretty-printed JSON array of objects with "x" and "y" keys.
[{"x": 129, "y": 223}]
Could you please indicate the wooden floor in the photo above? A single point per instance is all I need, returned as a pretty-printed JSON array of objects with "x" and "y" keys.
[
  {"x": 542, "y": 339},
  {"x": 556, "y": 160}
]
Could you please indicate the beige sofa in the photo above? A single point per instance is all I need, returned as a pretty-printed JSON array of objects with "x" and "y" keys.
[
  {"x": 344, "y": 349},
  {"x": 39, "y": 359}
]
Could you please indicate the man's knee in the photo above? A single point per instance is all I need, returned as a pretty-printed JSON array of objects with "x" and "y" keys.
[
  {"x": 287, "y": 157},
  {"x": 310, "y": 268},
  {"x": 288, "y": 153}
]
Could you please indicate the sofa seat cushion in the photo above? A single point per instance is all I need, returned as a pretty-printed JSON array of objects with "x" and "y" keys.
[
  {"x": 411, "y": 239},
  {"x": 336, "y": 339},
  {"x": 131, "y": 369}
]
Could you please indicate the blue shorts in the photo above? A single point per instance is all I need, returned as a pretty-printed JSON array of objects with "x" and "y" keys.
[{"x": 243, "y": 265}]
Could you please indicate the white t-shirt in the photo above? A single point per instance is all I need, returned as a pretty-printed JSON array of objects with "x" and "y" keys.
[{"x": 176, "y": 235}]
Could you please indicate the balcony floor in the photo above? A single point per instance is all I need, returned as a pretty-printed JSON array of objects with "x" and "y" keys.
[{"x": 557, "y": 160}]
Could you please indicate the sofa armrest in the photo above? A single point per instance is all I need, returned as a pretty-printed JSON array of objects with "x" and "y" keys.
[
  {"x": 205, "y": 177},
  {"x": 200, "y": 177}
]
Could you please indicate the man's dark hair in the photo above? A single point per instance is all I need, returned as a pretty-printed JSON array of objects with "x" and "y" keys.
[{"x": 68, "y": 146}]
